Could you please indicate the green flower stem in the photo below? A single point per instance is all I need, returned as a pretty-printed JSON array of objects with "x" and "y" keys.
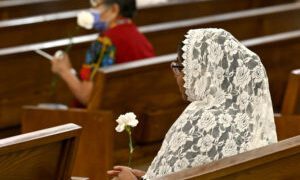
[
  {"x": 131, "y": 148},
  {"x": 67, "y": 49}
]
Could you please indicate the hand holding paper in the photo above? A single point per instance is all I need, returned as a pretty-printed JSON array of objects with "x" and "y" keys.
[{"x": 58, "y": 55}]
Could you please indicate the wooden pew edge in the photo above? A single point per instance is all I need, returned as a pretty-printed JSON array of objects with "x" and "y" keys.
[
  {"x": 97, "y": 92},
  {"x": 241, "y": 161},
  {"x": 208, "y": 18},
  {"x": 11, "y": 143},
  {"x": 6, "y": 4},
  {"x": 71, "y": 14},
  {"x": 278, "y": 37}
]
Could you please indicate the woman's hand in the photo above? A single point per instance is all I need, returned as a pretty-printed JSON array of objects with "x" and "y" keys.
[
  {"x": 125, "y": 173},
  {"x": 61, "y": 64}
]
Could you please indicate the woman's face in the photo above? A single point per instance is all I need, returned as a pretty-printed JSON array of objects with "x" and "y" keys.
[{"x": 178, "y": 74}]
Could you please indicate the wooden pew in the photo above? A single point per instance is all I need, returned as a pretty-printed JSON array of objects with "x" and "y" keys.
[
  {"x": 291, "y": 102},
  {"x": 244, "y": 24},
  {"x": 153, "y": 95},
  {"x": 10, "y": 9},
  {"x": 47, "y": 154},
  {"x": 15, "y": 8},
  {"x": 276, "y": 161},
  {"x": 94, "y": 154},
  {"x": 287, "y": 126},
  {"x": 274, "y": 51}
]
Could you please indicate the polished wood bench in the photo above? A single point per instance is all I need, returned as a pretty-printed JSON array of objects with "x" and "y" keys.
[
  {"x": 16, "y": 9},
  {"x": 94, "y": 155},
  {"x": 287, "y": 127},
  {"x": 10, "y": 9},
  {"x": 46, "y": 154},
  {"x": 276, "y": 161}
]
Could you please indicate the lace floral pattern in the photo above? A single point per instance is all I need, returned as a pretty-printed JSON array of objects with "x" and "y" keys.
[{"x": 230, "y": 111}]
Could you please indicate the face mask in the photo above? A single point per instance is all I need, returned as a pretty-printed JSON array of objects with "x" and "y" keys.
[
  {"x": 98, "y": 24},
  {"x": 91, "y": 20}
]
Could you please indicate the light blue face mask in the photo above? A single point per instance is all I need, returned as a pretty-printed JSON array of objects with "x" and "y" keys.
[{"x": 98, "y": 25}]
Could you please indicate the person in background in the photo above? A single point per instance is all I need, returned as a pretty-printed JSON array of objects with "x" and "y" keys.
[{"x": 119, "y": 42}]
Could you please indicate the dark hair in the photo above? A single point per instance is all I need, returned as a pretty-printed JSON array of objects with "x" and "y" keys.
[{"x": 127, "y": 7}]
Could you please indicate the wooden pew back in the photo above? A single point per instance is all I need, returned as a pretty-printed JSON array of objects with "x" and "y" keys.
[
  {"x": 94, "y": 156},
  {"x": 148, "y": 88},
  {"x": 276, "y": 161},
  {"x": 243, "y": 25},
  {"x": 15, "y": 8},
  {"x": 287, "y": 126},
  {"x": 291, "y": 104},
  {"x": 268, "y": 162},
  {"x": 47, "y": 154},
  {"x": 48, "y": 27}
]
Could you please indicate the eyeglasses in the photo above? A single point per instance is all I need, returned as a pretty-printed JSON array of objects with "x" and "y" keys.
[{"x": 176, "y": 67}]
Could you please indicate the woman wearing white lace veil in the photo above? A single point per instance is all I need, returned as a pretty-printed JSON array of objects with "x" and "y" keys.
[{"x": 230, "y": 111}]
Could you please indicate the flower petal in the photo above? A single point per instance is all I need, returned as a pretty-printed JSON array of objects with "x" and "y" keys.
[{"x": 120, "y": 128}]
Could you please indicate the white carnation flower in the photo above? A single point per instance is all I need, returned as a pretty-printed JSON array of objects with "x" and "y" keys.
[
  {"x": 85, "y": 19},
  {"x": 128, "y": 119}
]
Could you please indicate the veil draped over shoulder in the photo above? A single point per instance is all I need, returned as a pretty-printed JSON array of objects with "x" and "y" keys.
[{"x": 230, "y": 110}]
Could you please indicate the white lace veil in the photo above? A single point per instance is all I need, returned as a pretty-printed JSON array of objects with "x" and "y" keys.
[{"x": 230, "y": 111}]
